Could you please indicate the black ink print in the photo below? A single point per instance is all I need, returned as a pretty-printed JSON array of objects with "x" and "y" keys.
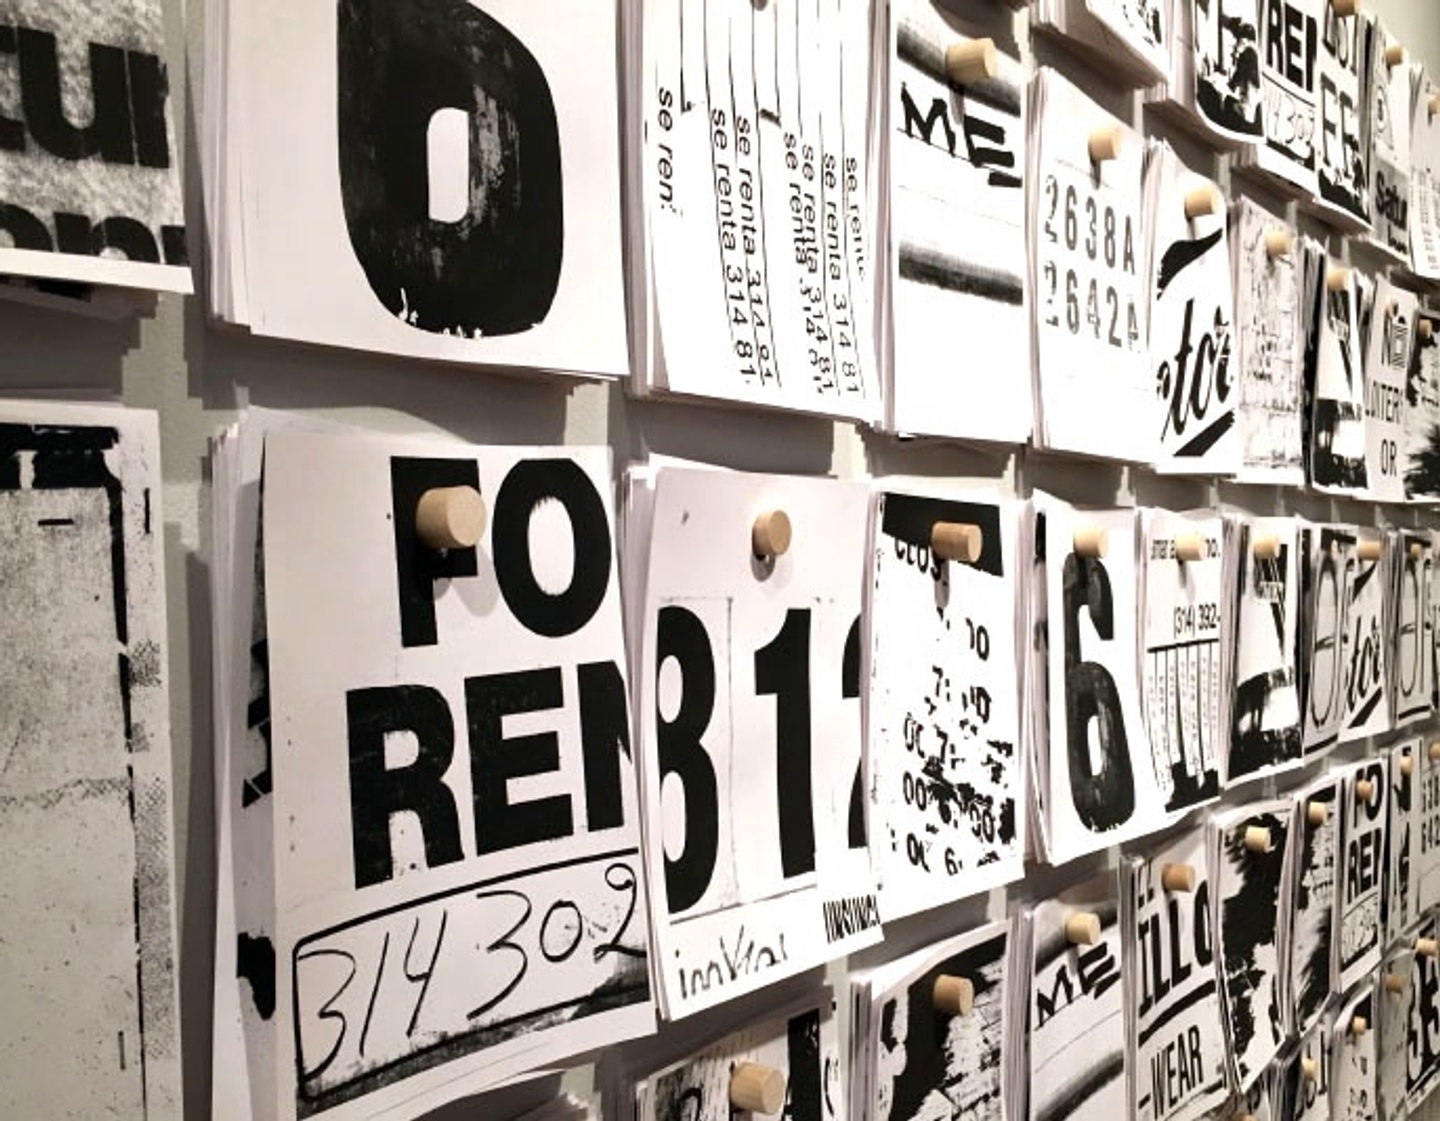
[
  {"x": 1422, "y": 395},
  {"x": 1227, "y": 71},
  {"x": 1344, "y": 173},
  {"x": 1198, "y": 378},
  {"x": 1260, "y": 738},
  {"x": 495, "y": 270},
  {"x": 1291, "y": 36},
  {"x": 1313, "y": 924}
]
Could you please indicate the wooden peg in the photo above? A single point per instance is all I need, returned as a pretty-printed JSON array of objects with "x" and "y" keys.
[
  {"x": 1278, "y": 242},
  {"x": 1201, "y": 201},
  {"x": 1190, "y": 547},
  {"x": 1248, "y": 1117},
  {"x": 1425, "y": 328},
  {"x": 1316, "y": 813},
  {"x": 1082, "y": 928},
  {"x": 975, "y": 61},
  {"x": 1394, "y": 54},
  {"x": 1433, "y": 104},
  {"x": 1336, "y": 277},
  {"x": 956, "y": 541},
  {"x": 770, "y": 534},
  {"x": 1359, "y": 1025},
  {"x": 1178, "y": 877},
  {"x": 954, "y": 995},
  {"x": 450, "y": 517},
  {"x": 1364, "y": 788},
  {"x": 1266, "y": 547},
  {"x": 1310, "y": 1068},
  {"x": 757, "y": 1088},
  {"x": 1105, "y": 144},
  {"x": 1407, "y": 766},
  {"x": 1345, "y": 8},
  {"x": 1427, "y": 947},
  {"x": 1394, "y": 983},
  {"x": 1417, "y": 550},
  {"x": 1091, "y": 541},
  {"x": 1257, "y": 839},
  {"x": 1434, "y": 751},
  {"x": 1371, "y": 548}
]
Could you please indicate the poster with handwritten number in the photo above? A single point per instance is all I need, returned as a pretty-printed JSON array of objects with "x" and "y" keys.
[
  {"x": 1314, "y": 904},
  {"x": 1105, "y": 788},
  {"x": 1366, "y": 804},
  {"x": 1265, "y": 735},
  {"x": 1337, "y": 426},
  {"x": 1185, "y": 635},
  {"x": 1401, "y": 895},
  {"x": 1423, "y": 1024},
  {"x": 1387, "y": 138},
  {"x": 1227, "y": 67},
  {"x": 946, "y": 773},
  {"x": 1191, "y": 312},
  {"x": 1077, "y": 993},
  {"x": 1332, "y": 556},
  {"x": 1174, "y": 997},
  {"x": 1363, "y": 646},
  {"x": 757, "y": 205},
  {"x": 1249, "y": 893},
  {"x": 1387, "y": 371},
  {"x": 1342, "y": 162},
  {"x": 961, "y": 333},
  {"x": 1268, "y": 349},
  {"x": 1089, "y": 277},
  {"x": 1290, "y": 35},
  {"x": 1422, "y": 414},
  {"x": 441, "y": 926},
  {"x": 749, "y": 715},
  {"x": 804, "y": 1045},
  {"x": 923, "y": 1063},
  {"x": 1353, "y": 1058}
]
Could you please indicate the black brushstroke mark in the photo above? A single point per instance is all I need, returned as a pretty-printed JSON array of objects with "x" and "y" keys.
[
  {"x": 255, "y": 964},
  {"x": 1181, "y": 255},
  {"x": 1206, "y": 438},
  {"x": 1249, "y": 920},
  {"x": 804, "y": 1092},
  {"x": 911, "y": 518},
  {"x": 913, "y": 47},
  {"x": 940, "y": 270}
]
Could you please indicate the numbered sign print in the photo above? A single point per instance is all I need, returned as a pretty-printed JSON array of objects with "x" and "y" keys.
[
  {"x": 1422, "y": 1034},
  {"x": 1353, "y": 1057},
  {"x": 1227, "y": 67},
  {"x": 1290, "y": 37},
  {"x": 1265, "y": 732},
  {"x": 1184, "y": 668},
  {"x": 1314, "y": 904},
  {"x": 1400, "y": 900},
  {"x": 1422, "y": 413},
  {"x": 957, "y": 211},
  {"x": 750, "y": 728},
  {"x": 1269, "y": 346},
  {"x": 1387, "y": 131},
  {"x": 757, "y": 207},
  {"x": 1366, "y": 803},
  {"x": 1179, "y": 1035},
  {"x": 1338, "y": 431},
  {"x": 1332, "y": 554},
  {"x": 1412, "y": 661},
  {"x": 1252, "y": 846},
  {"x": 1367, "y": 698},
  {"x": 1104, "y": 788},
  {"x": 458, "y": 875},
  {"x": 1392, "y": 1005},
  {"x": 1077, "y": 992},
  {"x": 932, "y": 1053},
  {"x": 1089, "y": 275},
  {"x": 87, "y": 911},
  {"x": 1342, "y": 159},
  {"x": 1427, "y": 829},
  {"x": 799, "y": 1052},
  {"x": 946, "y": 770},
  {"x": 1191, "y": 312},
  {"x": 1387, "y": 371}
]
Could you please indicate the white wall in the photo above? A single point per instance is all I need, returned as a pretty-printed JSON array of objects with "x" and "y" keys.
[{"x": 197, "y": 375}]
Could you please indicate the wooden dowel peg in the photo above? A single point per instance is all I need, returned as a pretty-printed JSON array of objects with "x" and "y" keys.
[
  {"x": 1345, "y": 8},
  {"x": 1359, "y": 1025},
  {"x": 1278, "y": 242},
  {"x": 1371, "y": 548},
  {"x": 1203, "y": 201},
  {"x": 1425, "y": 328},
  {"x": 1190, "y": 547},
  {"x": 975, "y": 61},
  {"x": 1433, "y": 104},
  {"x": 954, "y": 995},
  {"x": 770, "y": 534},
  {"x": 1106, "y": 143},
  {"x": 1394, "y": 54},
  {"x": 1434, "y": 752},
  {"x": 1364, "y": 788},
  {"x": 1316, "y": 813},
  {"x": 956, "y": 541},
  {"x": 1082, "y": 928},
  {"x": 1407, "y": 766},
  {"x": 757, "y": 1088},
  {"x": 1257, "y": 839},
  {"x": 1266, "y": 547},
  {"x": 1178, "y": 877},
  {"x": 1417, "y": 550},
  {"x": 1427, "y": 947},
  {"x": 1394, "y": 983},
  {"x": 1336, "y": 277},
  {"x": 1091, "y": 541},
  {"x": 450, "y": 517},
  {"x": 1310, "y": 1068}
]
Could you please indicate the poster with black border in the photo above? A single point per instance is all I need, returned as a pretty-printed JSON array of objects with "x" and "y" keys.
[
  {"x": 1343, "y": 162},
  {"x": 1423, "y": 1026},
  {"x": 1387, "y": 371},
  {"x": 1337, "y": 422},
  {"x": 458, "y": 869},
  {"x": 1412, "y": 661},
  {"x": 1363, "y": 645},
  {"x": 1332, "y": 554},
  {"x": 1315, "y": 900},
  {"x": 1227, "y": 67},
  {"x": 1365, "y": 800},
  {"x": 87, "y": 908}
]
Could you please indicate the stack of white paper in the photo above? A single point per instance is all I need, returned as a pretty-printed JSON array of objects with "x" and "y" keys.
[{"x": 1130, "y": 39}]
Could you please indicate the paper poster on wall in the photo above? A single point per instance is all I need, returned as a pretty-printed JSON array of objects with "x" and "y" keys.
[
  {"x": 1266, "y": 725},
  {"x": 1104, "y": 785},
  {"x": 1365, "y": 801},
  {"x": 1422, "y": 1041},
  {"x": 1387, "y": 370},
  {"x": 447, "y": 913},
  {"x": 946, "y": 774},
  {"x": 1343, "y": 162},
  {"x": 1386, "y": 135},
  {"x": 1314, "y": 905},
  {"x": 1401, "y": 895},
  {"x": 957, "y": 215},
  {"x": 1366, "y": 677},
  {"x": 920, "y": 1058},
  {"x": 1332, "y": 556},
  {"x": 1312, "y": 1073},
  {"x": 757, "y": 209},
  {"x": 1191, "y": 311},
  {"x": 749, "y": 721},
  {"x": 1412, "y": 660},
  {"x": 1424, "y": 183},
  {"x": 1141, "y": 26},
  {"x": 1268, "y": 347},
  {"x": 1088, "y": 276},
  {"x": 1077, "y": 992},
  {"x": 1178, "y": 1028},
  {"x": 1392, "y": 1016},
  {"x": 87, "y": 906},
  {"x": 1422, "y": 411},
  {"x": 1290, "y": 35},
  {"x": 1184, "y": 672},
  {"x": 90, "y": 161},
  {"x": 1427, "y": 831},
  {"x": 1251, "y": 863},
  {"x": 1337, "y": 423},
  {"x": 1227, "y": 67}
]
